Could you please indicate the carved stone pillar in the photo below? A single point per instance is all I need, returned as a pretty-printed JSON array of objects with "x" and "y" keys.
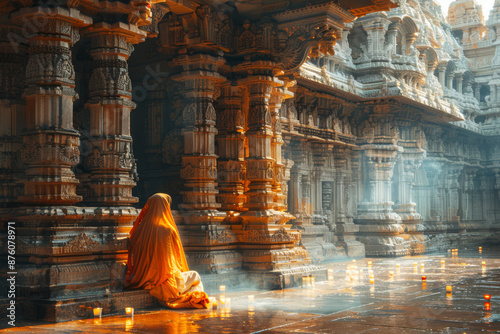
[
  {"x": 210, "y": 246},
  {"x": 293, "y": 192},
  {"x": 453, "y": 172},
  {"x": 12, "y": 114},
  {"x": 496, "y": 172},
  {"x": 477, "y": 91},
  {"x": 469, "y": 193},
  {"x": 379, "y": 226},
  {"x": 50, "y": 148},
  {"x": 449, "y": 80},
  {"x": 340, "y": 163},
  {"x": 260, "y": 164},
  {"x": 432, "y": 171},
  {"x": 306, "y": 202},
  {"x": 231, "y": 165},
  {"x": 268, "y": 242},
  {"x": 277, "y": 96},
  {"x": 199, "y": 162},
  {"x": 344, "y": 191},
  {"x": 111, "y": 160},
  {"x": 460, "y": 78},
  {"x": 493, "y": 93},
  {"x": 410, "y": 161},
  {"x": 442, "y": 74}
]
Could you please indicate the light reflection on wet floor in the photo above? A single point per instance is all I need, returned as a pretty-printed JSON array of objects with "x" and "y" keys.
[{"x": 348, "y": 304}]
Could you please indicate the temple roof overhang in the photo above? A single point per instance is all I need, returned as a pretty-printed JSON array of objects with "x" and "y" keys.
[
  {"x": 254, "y": 9},
  {"x": 400, "y": 106}
]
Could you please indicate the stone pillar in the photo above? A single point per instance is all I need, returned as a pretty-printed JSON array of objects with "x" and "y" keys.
[
  {"x": 199, "y": 162},
  {"x": 111, "y": 160},
  {"x": 432, "y": 171},
  {"x": 12, "y": 114},
  {"x": 442, "y": 74},
  {"x": 391, "y": 39},
  {"x": 460, "y": 78},
  {"x": 468, "y": 193},
  {"x": 379, "y": 226},
  {"x": 277, "y": 96},
  {"x": 340, "y": 163},
  {"x": 410, "y": 160},
  {"x": 477, "y": 91},
  {"x": 51, "y": 144},
  {"x": 293, "y": 192},
  {"x": 453, "y": 172},
  {"x": 493, "y": 93},
  {"x": 210, "y": 246},
  {"x": 231, "y": 165},
  {"x": 260, "y": 164},
  {"x": 305, "y": 199},
  {"x": 496, "y": 172},
  {"x": 267, "y": 241},
  {"x": 344, "y": 226},
  {"x": 449, "y": 80}
]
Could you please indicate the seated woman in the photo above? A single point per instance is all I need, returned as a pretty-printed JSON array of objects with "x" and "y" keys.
[{"x": 156, "y": 260}]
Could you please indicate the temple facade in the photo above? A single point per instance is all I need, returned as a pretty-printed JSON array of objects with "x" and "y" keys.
[{"x": 288, "y": 133}]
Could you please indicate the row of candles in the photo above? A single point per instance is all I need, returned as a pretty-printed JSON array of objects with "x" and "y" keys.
[
  {"x": 129, "y": 311},
  {"x": 309, "y": 281}
]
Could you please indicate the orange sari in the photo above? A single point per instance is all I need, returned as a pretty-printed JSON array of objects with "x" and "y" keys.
[{"x": 156, "y": 258}]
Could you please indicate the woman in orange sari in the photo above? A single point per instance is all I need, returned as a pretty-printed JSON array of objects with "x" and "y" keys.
[{"x": 156, "y": 260}]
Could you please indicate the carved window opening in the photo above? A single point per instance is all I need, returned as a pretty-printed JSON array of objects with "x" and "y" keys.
[
  {"x": 483, "y": 92},
  {"x": 358, "y": 40}
]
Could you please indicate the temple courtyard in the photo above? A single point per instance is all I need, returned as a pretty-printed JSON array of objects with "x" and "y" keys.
[{"x": 398, "y": 301}]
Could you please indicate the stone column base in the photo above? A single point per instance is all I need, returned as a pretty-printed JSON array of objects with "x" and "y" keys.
[{"x": 320, "y": 243}]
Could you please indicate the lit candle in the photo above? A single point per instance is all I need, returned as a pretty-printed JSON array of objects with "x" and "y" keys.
[
  {"x": 480, "y": 249},
  {"x": 391, "y": 274},
  {"x": 397, "y": 265},
  {"x": 213, "y": 302},
  {"x": 415, "y": 264},
  {"x": 330, "y": 274},
  {"x": 424, "y": 278},
  {"x": 487, "y": 297},
  {"x": 443, "y": 263},
  {"x": 487, "y": 306},
  {"x": 449, "y": 288},
  {"x": 369, "y": 263},
  {"x": 372, "y": 281},
  {"x": 250, "y": 298},
  {"x": 483, "y": 264},
  {"x": 305, "y": 281},
  {"x": 129, "y": 311},
  {"x": 97, "y": 312},
  {"x": 222, "y": 288}
]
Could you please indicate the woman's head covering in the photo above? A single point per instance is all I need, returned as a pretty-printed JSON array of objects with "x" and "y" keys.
[{"x": 155, "y": 257}]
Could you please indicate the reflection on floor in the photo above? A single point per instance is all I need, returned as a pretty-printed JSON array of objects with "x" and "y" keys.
[{"x": 399, "y": 301}]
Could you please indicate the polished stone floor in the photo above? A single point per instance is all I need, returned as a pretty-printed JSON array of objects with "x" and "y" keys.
[{"x": 349, "y": 303}]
